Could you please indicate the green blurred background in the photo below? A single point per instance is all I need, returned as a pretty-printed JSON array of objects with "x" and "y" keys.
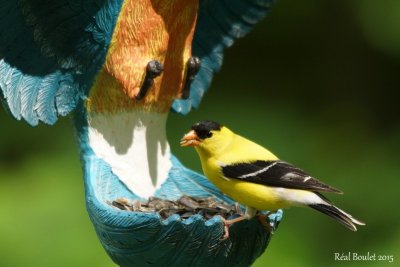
[{"x": 316, "y": 82}]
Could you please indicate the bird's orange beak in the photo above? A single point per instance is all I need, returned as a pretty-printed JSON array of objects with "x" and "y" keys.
[{"x": 190, "y": 139}]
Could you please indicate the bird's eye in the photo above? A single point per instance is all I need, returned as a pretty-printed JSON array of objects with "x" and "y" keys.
[{"x": 204, "y": 134}]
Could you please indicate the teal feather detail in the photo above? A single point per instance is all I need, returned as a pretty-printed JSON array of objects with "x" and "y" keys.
[
  {"x": 12, "y": 96},
  {"x": 67, "y": 93},
  {"x": 50, "y": 52},
  {"x": 45, "y": 105},
  {"x": 29, "y": 93}
]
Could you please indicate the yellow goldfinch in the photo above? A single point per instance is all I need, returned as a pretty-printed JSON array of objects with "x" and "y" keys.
[{"x": 253, "y": 176}]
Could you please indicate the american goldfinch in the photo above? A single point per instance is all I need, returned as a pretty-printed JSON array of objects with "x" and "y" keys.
[{"x": 256, "y": 178}]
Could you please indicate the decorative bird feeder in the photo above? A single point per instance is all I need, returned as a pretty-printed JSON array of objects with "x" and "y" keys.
[{"x": 122, "y": 65}]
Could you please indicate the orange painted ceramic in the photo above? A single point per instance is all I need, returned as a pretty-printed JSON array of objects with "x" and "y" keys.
[{"x": 146, "y": 30}]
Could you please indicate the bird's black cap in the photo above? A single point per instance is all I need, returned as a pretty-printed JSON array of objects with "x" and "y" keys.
[{"x": 203, "y": 129}]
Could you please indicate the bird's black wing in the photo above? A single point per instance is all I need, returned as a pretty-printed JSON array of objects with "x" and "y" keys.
[{"x": 275, "y": 173}]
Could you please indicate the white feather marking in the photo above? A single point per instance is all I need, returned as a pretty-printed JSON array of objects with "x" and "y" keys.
[
  {"x": 225, "y": 178},
  {"x": 221, "y": 164},
  {"x": 257, "y": 172},
  {"x": 306, "y": 178},
  {"x": 354, "y": 220},
  {"x": 136, "y": 147},
  {"x": 298, "y": 196}
]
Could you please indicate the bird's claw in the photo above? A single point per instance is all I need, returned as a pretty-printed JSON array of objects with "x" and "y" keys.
[
  {"x": 226, "y": 228},
  {"x": 228, "y": 223},
  {"x": 263, "y": 218},
  {"x": 226, "y": 232}
]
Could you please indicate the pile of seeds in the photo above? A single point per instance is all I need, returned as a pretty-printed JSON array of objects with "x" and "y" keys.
[{"x": 185, "y": 207}]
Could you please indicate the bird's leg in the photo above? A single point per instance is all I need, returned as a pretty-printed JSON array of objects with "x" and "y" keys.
[
  {"x": 228, "y": 223},
  {"x": 154, "y": 68},
  {"x": 193, "y": 67},
  {"x": 263, "y": 220},
  {"x": 250, "y": 213}
]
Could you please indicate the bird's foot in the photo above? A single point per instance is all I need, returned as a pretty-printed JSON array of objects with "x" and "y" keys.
[
  {"x": 228, "y": 223},
  {"x": 263, "y": 218}
]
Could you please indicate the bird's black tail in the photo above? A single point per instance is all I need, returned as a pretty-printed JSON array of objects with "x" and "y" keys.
[{"x": 339, "y": 215}]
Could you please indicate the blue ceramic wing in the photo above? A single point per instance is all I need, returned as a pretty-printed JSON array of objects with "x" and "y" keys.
[
  {"x": 219, "y": 23},
  {"x": 50, "y": 51}
]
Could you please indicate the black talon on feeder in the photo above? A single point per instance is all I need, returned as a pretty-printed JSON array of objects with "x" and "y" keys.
[
  {"x": 193, "y": 67},
  {"x": 154, "y": 69}
]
